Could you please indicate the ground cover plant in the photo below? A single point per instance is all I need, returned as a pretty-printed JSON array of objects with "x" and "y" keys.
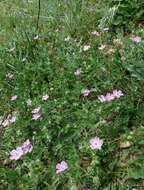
[{"x": 72, "y": 95}]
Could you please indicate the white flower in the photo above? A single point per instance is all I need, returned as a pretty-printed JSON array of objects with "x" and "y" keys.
[
  {"x": 95, "y": 33},
  {"x": 86, "y": 47},
  {"x": 102, "y": 47},
  {"x": 45, "y": 97},
  {"x": 67, "y": 39}
]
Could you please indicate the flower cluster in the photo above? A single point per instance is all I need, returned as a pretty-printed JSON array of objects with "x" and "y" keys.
[
  {"x": 17, "y": 153},
  {"x": 110, "y": 96},
  {"x": 95, "y": 144}
]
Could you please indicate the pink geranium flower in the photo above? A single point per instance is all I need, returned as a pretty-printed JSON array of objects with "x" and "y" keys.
[
  {"x": 136, "y": 39},
  {"x": 13, "y": 98},
  {"x": 117, "y": 93},
  {"x": 85, "y": 92},
  {"x": 110, "y": 96},
  {"x": 36, "y": 116},
  {"x": 16, "y": 154},
  {"x": 27, "y": 147},
  {"x": 96, "y": 143},
  {"x": 45, "y": 97},
  {"x": 61, "y": 167},
  {"x": 36, "y": 110},
  {"x": 35, "y": 113},
  {"x": 102, "y": 98}
]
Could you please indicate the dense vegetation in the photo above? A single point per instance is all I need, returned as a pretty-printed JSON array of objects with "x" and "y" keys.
[{"x": 72, "y": 95}]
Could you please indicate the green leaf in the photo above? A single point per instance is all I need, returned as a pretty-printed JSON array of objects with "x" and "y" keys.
[{"x": 137, "y": 174}]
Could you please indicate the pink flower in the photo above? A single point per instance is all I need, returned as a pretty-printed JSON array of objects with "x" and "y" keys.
[
  {"x": 36, "y": 116},
  {"x": 29, "y": 102},
  {"x": 102, "y": 98},
  {"x": 110, "y": 96},
  {"x": 35, "y": 113},
  {"x": 136, "y": 39},
  {"x": 85, "y": 92},
  {"x": 77, "y": 72},
  {"x": 96, "y": 143},
  {"x": 16, "y": 154},
  {"x": 27, "y": 147},
  {"x": 45, "y": 97},
  {"x": 60, "y": 167},
  {"x": 117, "y": 93},
  {"x": 86, "y": 47},
  {"x": 95, "y": 33},
  {"x": 36, "y": 110},
  {"x": 22, "y": 150},
  {"x": 13, "y": 98}
]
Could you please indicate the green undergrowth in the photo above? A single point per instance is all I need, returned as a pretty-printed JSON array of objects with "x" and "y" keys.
[{"x": 43, "y": 62}]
